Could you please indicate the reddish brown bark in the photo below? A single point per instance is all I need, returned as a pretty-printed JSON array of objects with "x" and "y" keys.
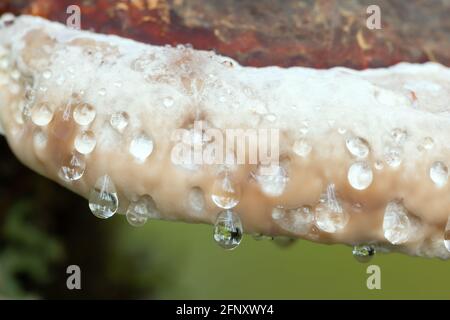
[{"x": 320, "y": 33}]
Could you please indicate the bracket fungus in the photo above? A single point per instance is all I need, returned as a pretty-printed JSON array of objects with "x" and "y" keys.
[{"x": 361, "y": 156}]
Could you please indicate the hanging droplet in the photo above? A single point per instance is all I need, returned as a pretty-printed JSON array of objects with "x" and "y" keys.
[
  {"x": 141, "y": 147},
  {"x": 272, "y": 179},
  {"x": 84, "y": 114},
  {"x": 447, "y": 235},
  {"x": 298, "y": 221},
  {"x": 342, "y": 130},
  {"x": 228, "y": 230},
  {"x": 392, "y": 156},
  {"x": 103, "y": 200},
  {"x": 85, "y": 142},
  {"x": 360, "y": 175},
  {"x": 427, "y": 144},
  {"x": 302, "y": 148},
  {"x": 363, "y": 253},
  {"x": 140, "y": 211},
  {"x": 330, "y": 217},
  {"x": 225, "y": 193},
  {"x": 439, "y": 173},
  {"x": 119, "y": 120},
  {"x": 396, "y": 223},
  {"x": 72, "y": 167},
  {"x": 168, "y": 102},
  {"x": 358, "y": 147},
  {"x": 41, "y": 114}
]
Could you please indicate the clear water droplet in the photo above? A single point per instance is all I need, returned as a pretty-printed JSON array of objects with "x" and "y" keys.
[
  {"x": 360, "y": 175},
  {"x": 396, "y": 223},
  {"x": 84, "y": 114},
  {"x": 196, "y": 200},
  {"x": 47, "y": 74},
  {"x": 141, "y": 147},
  {"x": 330, "y": 217},
  {"x": 439, "y": 173},
  {"x": 140, "y": 211},
  {"x": 168, "y": 102},
  {"x": 103, "y": 199},
  {"x": 393, "y": 156},
  {"x": 298, "y": 220},
  {"x": 72, "y": 167},
  {"x": 342, "y": 131},
  {"x": 85, "y": 142},
  {"x": 40, "y": 139},
  {"x": 119, "y": 120},
  {"x": 363, "y": 253},
  {"x": 225, "y": 193},
  {"x": 399, "y": 135},
  {"x": 102, "y": 92},
  {"x": 271, "y": 117},
  {"x": 41, "y": 114},
  {"x": 358, "y": 147},
  {"x": 447, "y": 235},
  {"x": 272, "y": 179},
  {"x": 428, "y": 143},
  {"x": 228, "y": 230},
  {"x": 302, "y": 148},
  {"x": 379, "y": 165}
]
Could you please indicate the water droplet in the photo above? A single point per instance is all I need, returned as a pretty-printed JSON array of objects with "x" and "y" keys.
[
  {"x": 393, "y": 156},
  {"x": 447, "y": 235},
  {"x": 103, "y": 200},
  {"x": 363, "y": 253},
  {"x": 84, "y": 114},
  {"x": 141, "y": 147},
  {"x": 342, "y": 130},
  {"x": 47, "y": 74},
  {"x": 271, "y": 117},
  {"x": 228, "y": 230},
  {"x": 360, "y": 175},
  {"x": 330, "y": 217},
  {"x": 72, "y": 167},
  {"x": 428, "y": 143},
  {"x": 358, "y": 147},
  {"x": 41, "y": 114},
  {"x": 396, "y": 223},
  {"x": 40, "y": 139},
  {"x": 272, "y": 179},
  {"x": 298, "y": 221},
  {"x": 302, "y": 148},
  {"x": 85, "y": 142},
  {"x": 168, "y": 102},
  {"x": 225, "y": 193},
  {"x": 196, "y": 200},
  {"x": 140, "y": 211},
  {"x": 439, "y": 173},
  {"x": 119, "y": 120},
  {"x": 102, "y": 92},
  {"x": 399, "y": 135},
  {"x": 379, "y": 165}
]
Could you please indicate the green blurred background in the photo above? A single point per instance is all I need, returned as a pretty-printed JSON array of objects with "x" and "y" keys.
[{"x": 44, "y": 229}]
